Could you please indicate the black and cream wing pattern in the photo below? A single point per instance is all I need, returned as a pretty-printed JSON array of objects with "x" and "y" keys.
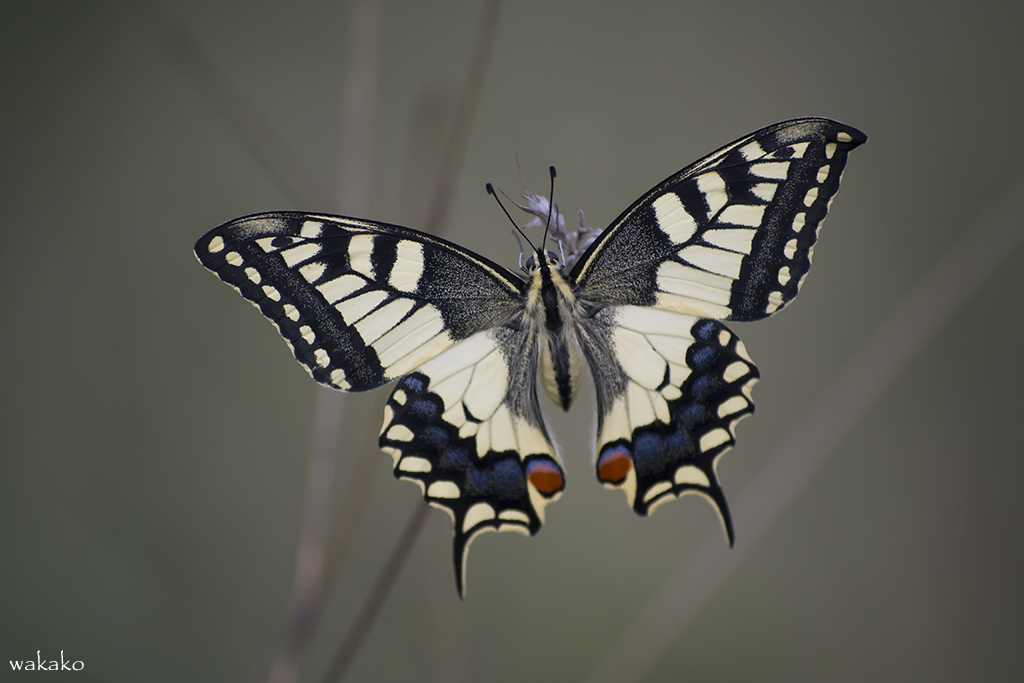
[{"x": 362, "y": 303}]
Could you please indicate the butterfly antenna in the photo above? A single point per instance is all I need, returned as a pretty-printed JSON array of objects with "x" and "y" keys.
[
  {"x": 490, "y": 191},
  {"x": 551, "y": 205}
]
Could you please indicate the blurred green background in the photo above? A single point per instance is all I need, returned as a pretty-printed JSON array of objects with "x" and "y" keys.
[{"x": 154, "y": 431}]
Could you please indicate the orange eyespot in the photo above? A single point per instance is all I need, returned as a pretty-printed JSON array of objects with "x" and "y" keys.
[
  {"x": 614, "y": 465},
  {"x": 545, "y": 477}
]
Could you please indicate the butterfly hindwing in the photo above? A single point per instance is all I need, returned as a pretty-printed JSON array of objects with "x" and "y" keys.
[
  {"x": 729, "y": 237},
  {"x": 350, "y": 297},
  {"x": 671, "y": 389},
  {"x": 466, "y": 426}
]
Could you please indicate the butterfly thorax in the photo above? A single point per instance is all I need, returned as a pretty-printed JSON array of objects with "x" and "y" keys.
[{"x": 552, "y": 312}]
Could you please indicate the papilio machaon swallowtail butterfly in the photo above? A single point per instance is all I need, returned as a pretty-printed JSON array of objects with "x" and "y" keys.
[{"x": 363, "y": 303}]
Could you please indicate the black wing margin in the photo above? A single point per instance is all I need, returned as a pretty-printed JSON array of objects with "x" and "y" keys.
[{"x": 729, "y": 237}]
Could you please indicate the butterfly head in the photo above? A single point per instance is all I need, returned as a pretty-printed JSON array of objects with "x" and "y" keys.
[{"x": 551, "y": 260}]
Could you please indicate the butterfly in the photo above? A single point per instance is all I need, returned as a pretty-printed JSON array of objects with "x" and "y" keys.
[{"x": 363, "y": 303}]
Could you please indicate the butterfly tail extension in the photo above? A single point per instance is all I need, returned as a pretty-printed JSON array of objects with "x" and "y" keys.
[
  {"x": 456, "y": 427},
  {"x": 681, "y": 385}
]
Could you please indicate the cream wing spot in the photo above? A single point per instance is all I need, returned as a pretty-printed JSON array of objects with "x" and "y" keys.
[
  {"x": 671, "y": 393},
  {"x": 267, "y": 243},
  {"x": 765, "y": 191},
  {"x": 253, "y": 275},
  {"x": 312, "y": 271},
  {"x": 673, "y": 219},
  {"x": 356, "y": 307},
  {"x": 735, "y": 370},
  {"x": 742, "y": 214},
  {"x": 233, "y": 258},
  {"x": 710, "y": 280},
  {"x": 308, "y": 335},
  {"x": 751, "y": 150},
  {"x": 291, "y": 312},
  {"x": 688, "y": 474},
  {"x": 322, "y": 359},
  {"x": 340, "y": 287},
  {"x": 271, "y": 293},
  {"x": 514, "y": 516},
  {"x": 412, "y": 334},
  {"x": 408, "y": 268},
  {"x": 216, "y": 245},
  {"x": 790, "y": 249},
  {"x": 657, "y": 490},
  {"x": 823, "y": 173},
  {"x": 311, "y": 230},
  {"x": 713, "y": 187},
  {"x": 812, "y": 194},
  {"x": 717, "y": 261},
  {"x": 360, "y": 248},
  {"x": 732, "y": 406},
  {"x": 443, "y": 489},
  {"x": 375, "y": 325},
  {"x": 673, "y": 278},
  {"x": 799, "y": 221},
  {"x": 734, "y": 239},
  {"x": 297, "y": 254},
  {"x": 400, "y": 433},
  {"x": 775, "y": 170},
  {"x": 481, "y": 512},
  {"x": 688, "y": 305},
  {"x": 713, "y": 439}
]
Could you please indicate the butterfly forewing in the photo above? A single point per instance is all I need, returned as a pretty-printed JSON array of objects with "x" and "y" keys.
[
  {"x": 729, "y": 237},
  {"x": 360, "y": 303}
]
